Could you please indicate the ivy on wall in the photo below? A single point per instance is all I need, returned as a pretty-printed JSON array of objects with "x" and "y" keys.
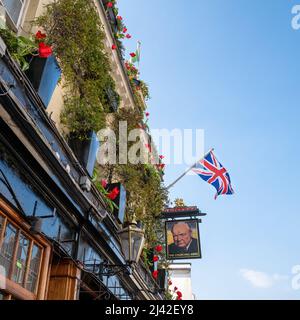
[
  {"x": 76, "y": 34},
  {"x": 146, "y": 194}
]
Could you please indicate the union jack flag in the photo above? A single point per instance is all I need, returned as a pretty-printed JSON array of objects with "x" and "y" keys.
[{"x": 212, "y": 171}]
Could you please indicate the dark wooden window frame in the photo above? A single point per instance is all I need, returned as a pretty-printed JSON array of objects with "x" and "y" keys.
[{"x": 13, "y": 289}]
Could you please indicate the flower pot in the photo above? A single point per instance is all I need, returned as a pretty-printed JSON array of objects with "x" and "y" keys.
[
  {"x": 44, "y": 74},
  {"x": 85, "y": 150},
  {"x": 113, "y": 20},
  {"x": 161, "y": 278},
  {"x": 120, "y": 201},
  {"x": 112, "y": 99}
]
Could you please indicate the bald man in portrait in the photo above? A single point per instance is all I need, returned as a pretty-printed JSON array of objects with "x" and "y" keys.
[{"x": 183, "y": 240}]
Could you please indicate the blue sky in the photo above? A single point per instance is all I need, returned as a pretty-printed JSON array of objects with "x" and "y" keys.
[{"x": 232, "y": 69}]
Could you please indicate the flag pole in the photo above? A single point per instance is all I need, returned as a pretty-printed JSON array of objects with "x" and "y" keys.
[{"x": 185, "y": 172}]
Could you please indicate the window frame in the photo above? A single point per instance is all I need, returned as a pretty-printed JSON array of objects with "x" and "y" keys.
[
  {"x": 9, "y": 20},
  {"x": 15, "y": 289}
]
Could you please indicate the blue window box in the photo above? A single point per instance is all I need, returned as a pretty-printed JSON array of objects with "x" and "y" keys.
[
  {"x": 85, "y": 150},
  {"x": 44, "y": 74}
]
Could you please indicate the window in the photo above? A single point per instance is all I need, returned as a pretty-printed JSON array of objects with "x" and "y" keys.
[
  {"x": 7, "y": 248},
  {"x": 34, "y": 267},
  {"x": 14, "y": 9},
  {"x": 20, "y": 256},
  {"x": 21, "y": 260},
  {"x": 1, "y": 226}
]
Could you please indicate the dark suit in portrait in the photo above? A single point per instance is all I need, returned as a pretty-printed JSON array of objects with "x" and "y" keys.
[{"x": 192, "y": 248}]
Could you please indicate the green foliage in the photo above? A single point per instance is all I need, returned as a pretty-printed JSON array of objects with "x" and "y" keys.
[
  {"x": 145, "y": 90},
  {"x": 146, "y": 194},
  {"x": 77, "y": 38},
  {"x": 141, "y": 92},
  {"x": 19, "y": 47}
]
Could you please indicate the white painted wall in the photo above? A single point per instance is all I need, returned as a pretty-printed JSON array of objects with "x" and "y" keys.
[{"x": 180, "y": 275}]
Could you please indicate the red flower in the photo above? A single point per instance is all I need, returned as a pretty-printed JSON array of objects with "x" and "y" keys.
[
  {"x": 127, "y": 66},
  {"x": 179, "y": 294},
  {"x": 162, "y": 166},
  {"x": 39, "y": 35},
  {"x": 155, "y": 274},
  {"x": 44, "y": 50},
  {"x": 155, "y": 258},
  {"x": 114, "y": 47},
  {"x": 124, "y": 30},
  {"x": 161, "y": 157},
  {"x": 119, "y": 18},
  {"x": 147, "y": 114},
  {"x": 128, "y": 36},
  {"x": 113, "y": 194},
  {"x": 170, "y": 282},
  {"x": 132, "y": 54},
  {"x": 158, "y": 248},
  {"x": 103, "y": 183},
  {"x": 109, "y": 5},
  {"x": 179, "y": 298},
  {"x": 175, "y": 288}
]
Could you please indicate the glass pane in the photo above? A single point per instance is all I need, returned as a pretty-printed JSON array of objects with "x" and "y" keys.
[
  {"x": 7, "y": 249},
  {"x": 34, "y": 269},
  {"x": 1, "y": 225},
  {"x": 20, "y": 264},
  {"x": 13, "y": 8}
]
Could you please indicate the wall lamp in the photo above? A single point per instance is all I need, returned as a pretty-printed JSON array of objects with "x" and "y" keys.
[{"x": 132, "y": 239}]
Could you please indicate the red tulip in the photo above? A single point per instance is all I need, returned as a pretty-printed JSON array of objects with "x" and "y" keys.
[
  {"x": 147, "y": 114},
  {"x": 39, "y": 35},
  {"x": 44, "y": 50},
  {"x": 114, "y": 47},
  {"x": 155, "y": 274},
  {"x": 161, "y": 157},
  {"x": 132, "y": 54},
  {"x": 179, "y": 298},
  {"x": 119, "y": 18},
  {"x": 124, "y": 30},
  {"x": 128, "y": 36},
  {"x": 109, "y": 5},
  {"x": 175, "y": 288},
  {"x": 103, "y": 183},
  {"x": 113, "y": 194},
  {"x": 170, "y": 282},
  {"x": 158, "y": 248},
  {"x": 155, "y": 258},
  {"x": 179, "y": 294},
  {"x": 162, "y": 166}
]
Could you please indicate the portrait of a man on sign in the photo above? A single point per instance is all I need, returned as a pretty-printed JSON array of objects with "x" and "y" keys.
[{"x": 182, "y": 237}]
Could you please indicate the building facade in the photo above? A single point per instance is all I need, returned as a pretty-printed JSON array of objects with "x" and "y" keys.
[
  {"x": 56, "y": 233},
  {"x": 180, "y": 276}
]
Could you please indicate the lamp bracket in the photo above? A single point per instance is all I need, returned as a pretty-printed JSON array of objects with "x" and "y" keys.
[{"x": 106, "y": 269}]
